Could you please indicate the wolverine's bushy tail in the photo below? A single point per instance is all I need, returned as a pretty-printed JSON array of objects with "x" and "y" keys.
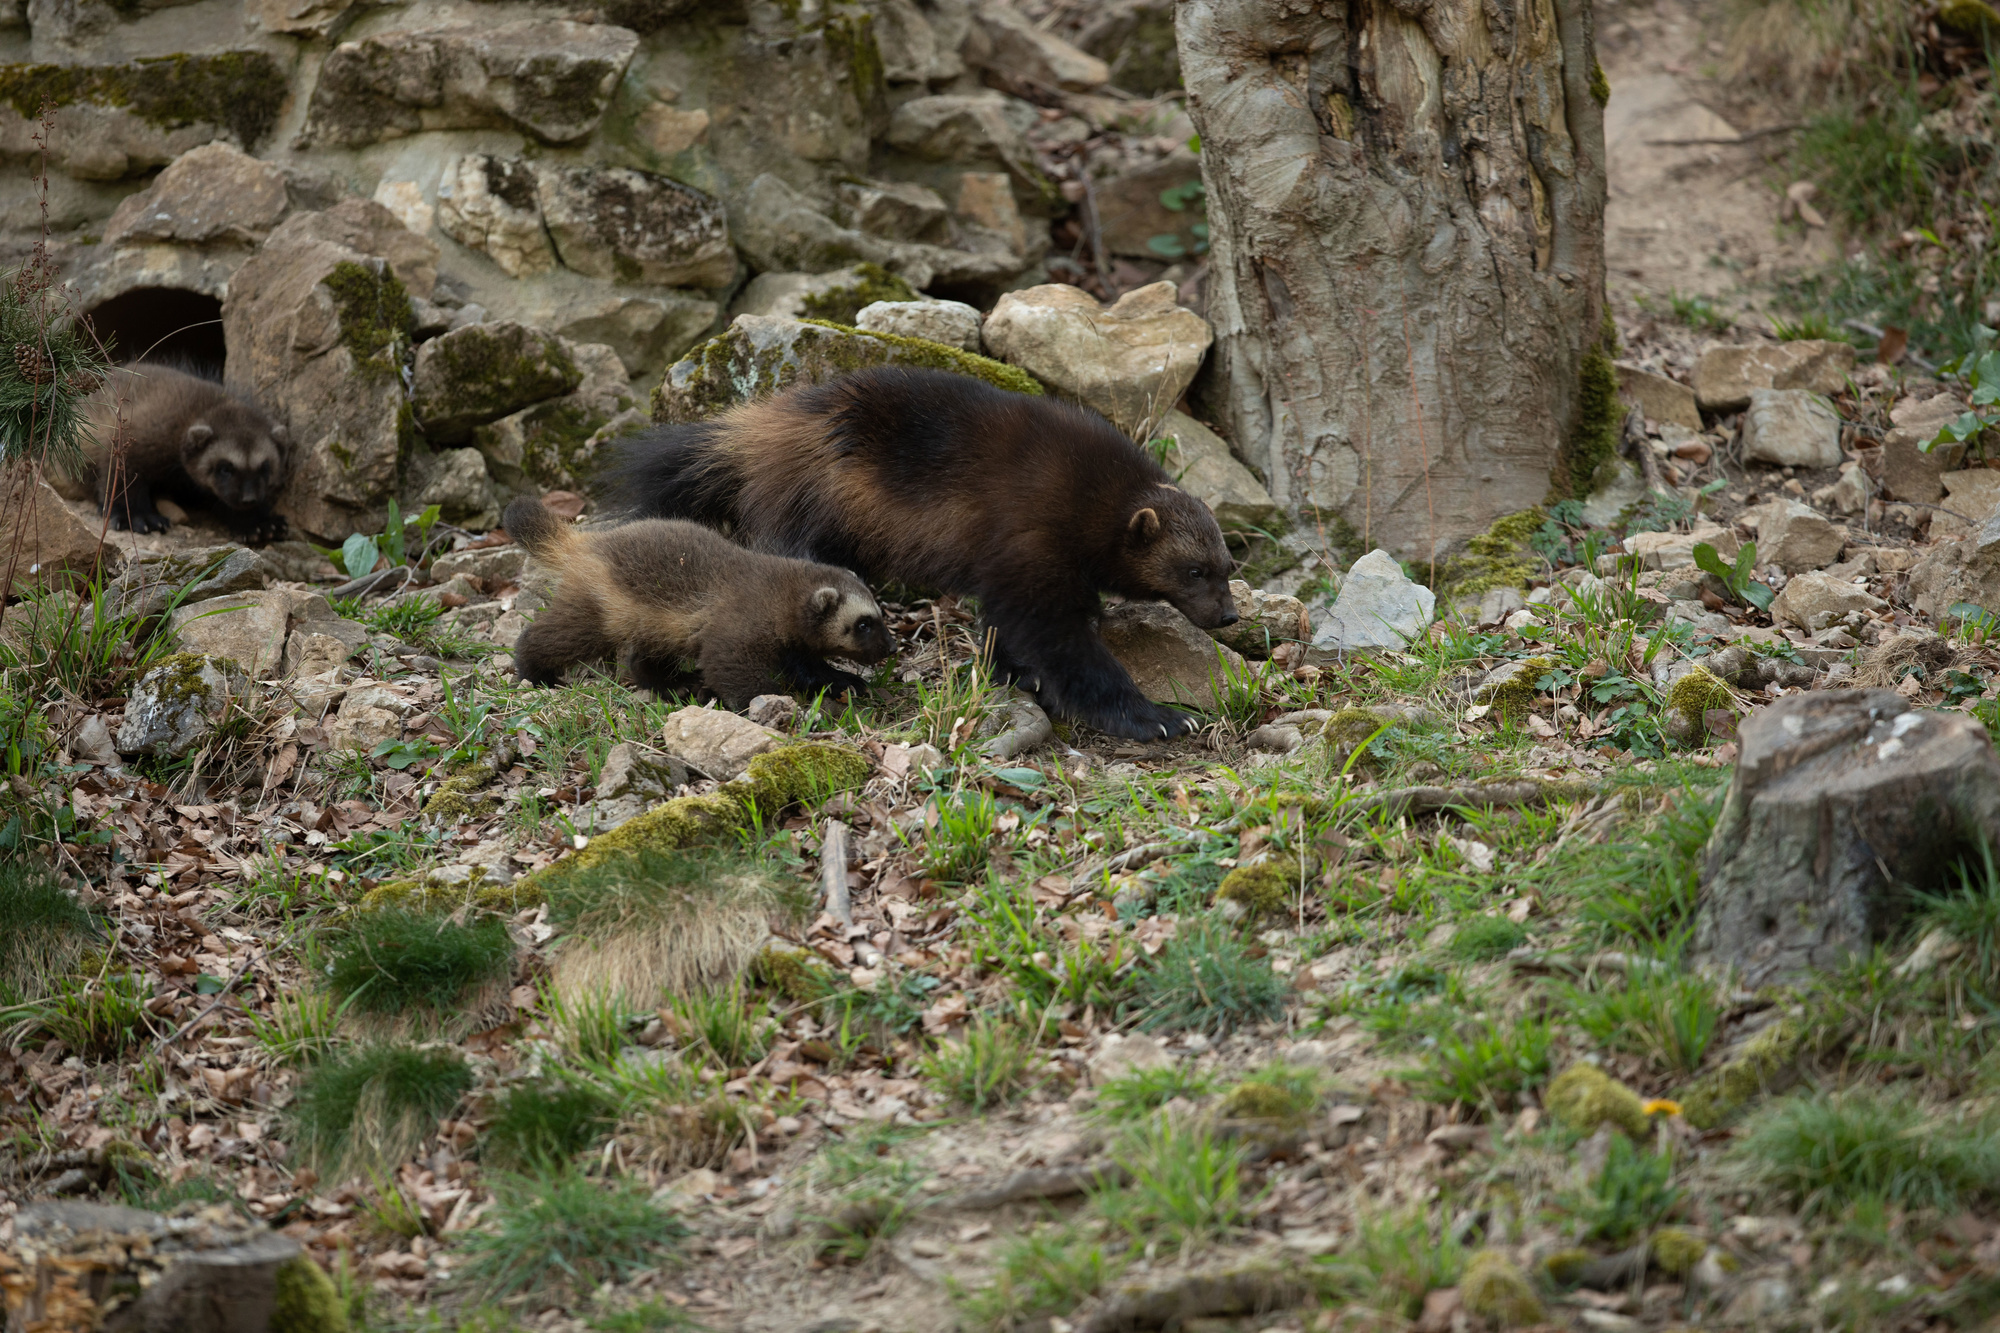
[
  {"x": 529, "y": 522},
  {"x": 673, "y": 472}
]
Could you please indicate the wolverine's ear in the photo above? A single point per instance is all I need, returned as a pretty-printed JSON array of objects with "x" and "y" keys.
[
  {"x": 198, "y": 434},
  {"x": 281, "y": 435},
  {"x": 825, "y": 600},
  {"x": 1144, "y": 527}
]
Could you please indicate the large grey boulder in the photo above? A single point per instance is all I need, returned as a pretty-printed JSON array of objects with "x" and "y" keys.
[
  {"x": 93, "y": 1265},
  {"x": 492, "y": 204},
  {"x": 1131, "y": 360},
  {"x": 1791, "y": 428},
  {"x": 635, "y": 227},
  {"x": 548, "y": 78},
  {"x": 482, "y": 372},
  {"x": 176, "y": 704},
  {"x": 838, "y": 295},
  {"x": 759, "y": 355},
  {"x": 554, "y": 444},
  {"x": 1841, "y": 799},
  {"x": 782, "y": 229},
  {"x": 1170, "y": 660},
  {"x": 214, "y": 194},
  {"x": 1378, "y": 607},
  {"x": 970, "y": 130}
]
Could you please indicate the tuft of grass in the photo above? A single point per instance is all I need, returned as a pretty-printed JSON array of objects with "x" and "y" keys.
[
  {"x": 1826, "y": 1151},
  {"x": 394, "y": 964},
  {"x": 369, "y": 1109},
  {"x": 724, "y": 1025},
  {"x": 1668, "y": 1015},
  {"x": 1487, "y": 1064},
  {"x": 665, "y": 923},
  {"x": 100, "y": 1017},
  {"x": 655, "y": 1316},
  {"x": 1398, "y": 1258},
  {"x": 541, "y": 1126},
  {"x": 1487, "y": 937},
  {"x": 1972, "y": 917},
  {"x": 1043, "y": 1274},
  {"x": 43, "y": 930},
  {"x": 1184, "y": 1185},
  {"x": 590, "y": 1027},
  {"x": 1207, "y": 979},
  {"x": 1631, "y": 1194},
  {"x": 1877, "y": 166},
  {"x": 1136, "y": 1095},
  {"x": 958, "y": 847},
  {"x": 304, "y": 1025},
  {"x": 878, "y": 1192},
  {"x": 566, "y": 1233},
  {"x": 988, "y": 1065},
  {"x": 1643, "y": 888},
  {"x": 1275, "y": 1092}
]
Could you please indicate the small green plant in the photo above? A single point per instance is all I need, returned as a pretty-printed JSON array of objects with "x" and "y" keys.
[
  {"x": 1189, "y": 196},
  {"x": 1659, "y": 1012},
  {"x": 1487, "y": 1064},
  {"x": 724, "y": 1024},
  {"x": 1971, "y": 916},
  {"x": 43, "y": 929},
  {"x": 98, "y": 1017},
  {"x": 1807, "y": 328},
  {"x": 958, "y": 846},
  {"x": 1207, "y": 980},
  {"x": 1823, "y": 1152},
  {"x": 1736, "y": 577},
  {"x": 1484, "y": 938},
  {"x": 566, "y": 1233},
  {"x": 392, "y": 1213},
  {"x": 1183, "y": 1184},
  {"x": 988, "y": 1065},
  {"x": 540, "y": 1126},
  {"x": 1046, "y": 1272},
  {"x": 1631, "y": 1194},
  {"x": 1699, "y": 312},
  {"x": 394, "y": 963},
  {"x": 303, "y": 1026},
  {"x": 1138, "y": 1094},
  {"x": 359, "y": 554},
  {"x": 1397, "y": 1259},
  {"x": 368, "y": 1109}
]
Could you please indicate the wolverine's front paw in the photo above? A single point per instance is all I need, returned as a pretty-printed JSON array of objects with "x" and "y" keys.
[
  {"x": 1147, "y": 722},
  {"x": 261, "y": 530}
]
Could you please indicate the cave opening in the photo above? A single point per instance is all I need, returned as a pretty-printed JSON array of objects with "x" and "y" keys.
[{"x": 164, "y": 324}]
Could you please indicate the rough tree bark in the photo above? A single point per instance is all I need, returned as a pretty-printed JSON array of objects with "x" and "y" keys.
[{"x": 1406, "y": 201}]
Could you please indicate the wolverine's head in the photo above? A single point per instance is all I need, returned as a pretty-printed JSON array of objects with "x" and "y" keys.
[
  {"x": 1173, "y": 552},
  {"x": 238, "y": 454},
  {"x": 845, "y": 621}
]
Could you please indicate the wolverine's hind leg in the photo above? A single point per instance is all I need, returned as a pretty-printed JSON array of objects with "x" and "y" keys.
[
  {"x": 563, "y": 634},
  {"x": 662, "y": 673}
]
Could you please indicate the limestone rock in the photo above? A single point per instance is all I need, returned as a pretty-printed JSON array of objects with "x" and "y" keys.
[
  {"x": 781, "y": 229},
  {"x": 1725, "y": 377},
  {"x": 630, "y": 770},
  {"x": 320, "y": 641},
  {"x": 368, "y": 715},
  {"x": 759, "y": 356},
  {"x": 715, "y": 743},
  {"x": 1840, "y": 799},
  {"x": 970, "y": 130},
  {"x": 1791, "y": 428},
  {"x": 1131, "y": 360},
  {"x": 1017, "y": 46},
  {"x": 1815, "y": 600},
  {"x": 1136, "y": 38},
  {"x": 549, "y": 78},
  {"x": 45, "y": 543},
  {"x": 491, "y": 565},
  {"x": 482, "y": 372},
  {"x": 1794, "y": 536},
  {"x": 456, "y": 481},
  {"x": 214, "y": 193},
  {"x": 1201, "y": 462},
  {"x": 1971, "y": 497},
  {"x": 1660, "y": 398},
  {"x": 648, "y": 327},
  {"x": 207, "y": 1268},
  {"x": 1671, "y": 550},
  {"x": 1132, "y": 215},
  {"x": 1169, "y": 659},
  {"x": 1959, "y": 569},
  {"x": 367, "y": 227},
  {"x": 246, "y": 628},
  {"x": 1849, "y": 495},
  {"x": 952, "y": 323},
  {"x": 1264, "y": 620},
  {"x": 176, "y": 704},
  {"x": 895, "y": 210},
  {"x": 150, "y": 581},
  {"x": 1127, "y": 1053},
  {"x": 490, "y": 204},
  {"x": 1906, "y": 470},
  {"x": 1378, "y": 607},
  {"x": 837, "y": 296},
  {"x": 554, "y": 445},
  {"x": 1620, "y": 485},
  {"x": 921, "y": 43},
  {"x": 635, "y": 226}
]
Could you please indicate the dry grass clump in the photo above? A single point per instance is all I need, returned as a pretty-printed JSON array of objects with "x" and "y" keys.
[
  {"x": 1799, "y": 49},
  {"x": 652, "y": 923},
  {"x": 365, "y": 1112}
]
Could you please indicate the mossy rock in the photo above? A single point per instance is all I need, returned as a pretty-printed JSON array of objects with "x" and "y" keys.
[
  {"x": 241, "y": 91},
  {"x": 1499, "y": 557},
  {"x": 377, "y": 322},
  {"x": 1971, "y": 17},
  {"x": 797, "y": 974},
  {"x": 1695, "y": 693},
  {"x": 808, "y": 772},
  {"x": 1513, "y": 697},
  {"x": 1264, "y": 889},
  {"x": 1675, "y": 1252},
  {"x": 457, "y": 798},
  {"x": 307, "y": 1300},
  {"x": 1495, "y": 1290},
  {"x": 423, "y": 894},
  {"x": 840, "y": 304},
  {"x": 1584, "y": 1097},
  {"x": 1764, "y": 1064},
  {"x": 760, "y": 355},
  {"x": 1566, "y": 1268}
]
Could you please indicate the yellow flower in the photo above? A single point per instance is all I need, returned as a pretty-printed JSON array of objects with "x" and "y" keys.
[{"x": 1661, "y": 1106}]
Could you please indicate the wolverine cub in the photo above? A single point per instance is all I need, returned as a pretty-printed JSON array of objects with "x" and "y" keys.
[
  {"x": 659, "y": 593},
  {"x": 185, "y": 437}
]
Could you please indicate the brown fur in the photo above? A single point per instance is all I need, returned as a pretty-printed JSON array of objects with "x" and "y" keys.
[
  {"x": 940, "y": 481},
  {"x": 658, "y": 593},
  {"x": 152, "y": 430}
]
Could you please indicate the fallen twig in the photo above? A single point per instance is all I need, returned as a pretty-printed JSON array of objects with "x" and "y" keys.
[{"x": 833, "y": 873}]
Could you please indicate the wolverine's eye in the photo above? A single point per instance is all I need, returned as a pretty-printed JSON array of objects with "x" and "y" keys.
[
  {"x": 224, "y": 471},
  {"x": 865, "y": 625},
  {"x": 1195, "y": 572}
]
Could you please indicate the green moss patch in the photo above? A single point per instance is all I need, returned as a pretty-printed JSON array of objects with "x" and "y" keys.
[
  {"x": 1584, "y": 1097},
  {"x": 242, "y": 91},
  {"x": 1500, "y": 557},
  {"x": 1593, "y": 441},
  {"x": 839, "y": 305},
  {"x": 376, "y": 321}
]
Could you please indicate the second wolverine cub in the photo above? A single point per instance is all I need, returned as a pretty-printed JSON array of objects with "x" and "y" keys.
[{"x": 659, "y": 594}]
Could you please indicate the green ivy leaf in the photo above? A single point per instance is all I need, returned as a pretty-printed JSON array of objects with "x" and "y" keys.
[
  {"x": 1708, "y": 562},
  {"x": 1168, "y": 246},
  {"x": 1758, "y": 595},
  {"x": 358, "y": 555}
]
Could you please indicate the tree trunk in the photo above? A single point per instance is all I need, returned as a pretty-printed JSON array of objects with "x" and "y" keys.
[{"x": 1406, "y": 202}]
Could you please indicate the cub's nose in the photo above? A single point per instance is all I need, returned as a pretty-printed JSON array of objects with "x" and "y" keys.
[{"x": 1229, "y": 617}]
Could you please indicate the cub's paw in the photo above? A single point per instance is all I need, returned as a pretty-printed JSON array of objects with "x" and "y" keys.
[
  {"x": 271, "y": 528},
  {"x": 1147, "y": 722},
  {"x": 140, "y": 523}
]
